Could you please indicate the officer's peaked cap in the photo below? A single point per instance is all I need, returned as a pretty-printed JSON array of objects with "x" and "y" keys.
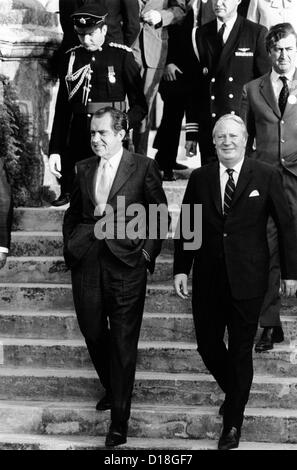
[{"x": 91, "y": 14}]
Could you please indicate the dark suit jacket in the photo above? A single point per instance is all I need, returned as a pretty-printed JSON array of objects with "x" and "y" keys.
[
  {"x": 217, "y": 81},
  {"x": 276, "y": 135},
  {"x": 5, "y": 209},
  {"x": 138, "y": 181},
  {"x": 240, "y": 237}
]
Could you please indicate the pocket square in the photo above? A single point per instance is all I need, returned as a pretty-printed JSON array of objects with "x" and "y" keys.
[{"x": 254, "y": 193}]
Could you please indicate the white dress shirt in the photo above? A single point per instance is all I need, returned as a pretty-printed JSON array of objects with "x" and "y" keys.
[
  {"x": 277, "y": 84},
  {"x": 114, "y": 162},
  {"x": 224, "y": 177},
  {"x": 229, "y": 25}
]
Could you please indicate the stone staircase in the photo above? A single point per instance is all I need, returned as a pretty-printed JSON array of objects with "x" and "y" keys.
[{"x": 48, "y": 388}]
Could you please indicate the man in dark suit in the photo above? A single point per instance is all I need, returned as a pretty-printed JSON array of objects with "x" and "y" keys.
[
  {"x": 269, "y": 108},
  {"x": 95, "y": 74},
  {"x": 231, "y": 52},
  {"x": 230, "y": 272},
  {"x": 5, "y": 215},
  {"x": 109, "y": 272}
]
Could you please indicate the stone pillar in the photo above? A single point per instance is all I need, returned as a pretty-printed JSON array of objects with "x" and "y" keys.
[{"x": 29, "y": 35}]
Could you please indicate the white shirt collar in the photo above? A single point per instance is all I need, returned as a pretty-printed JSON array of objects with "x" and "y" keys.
[
  {"x": 229, "y": 23},
  {"x": 236, "y": 168},
  {"x": 114, "y": 161},
  {"x": 275, "y": 76}
]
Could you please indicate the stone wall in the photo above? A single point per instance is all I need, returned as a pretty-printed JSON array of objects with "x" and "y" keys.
[{"x": 29, "y": 35}]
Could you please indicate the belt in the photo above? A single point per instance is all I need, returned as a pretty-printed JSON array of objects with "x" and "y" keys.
[{"x": 92, "y": 107}]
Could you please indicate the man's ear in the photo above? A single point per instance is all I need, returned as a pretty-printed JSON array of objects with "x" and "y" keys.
[
  {"x": 104, "y": 29},
  {"x": 122, "y": 134}
]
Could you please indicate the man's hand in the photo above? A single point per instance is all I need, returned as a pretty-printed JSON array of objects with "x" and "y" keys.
[
  {"x": 55, "y": 164},
  {"x": 191, "y": 148},
  {"x": 3, "y": 257},
  {"x": 170, "y": 71},
  {"x": 152, "y": 17},
  {"x": 181, "y": 285},
  {"x": 288, "y": 287}
]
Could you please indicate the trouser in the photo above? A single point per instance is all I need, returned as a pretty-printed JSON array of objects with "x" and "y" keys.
[
  {"x": 270, "y": 313},
  {"x": 232, "y": 367},
  {"x": 168, "y": 133},
  {"x": 205, "y": 141},
  {"x": 109, "y": 300}
]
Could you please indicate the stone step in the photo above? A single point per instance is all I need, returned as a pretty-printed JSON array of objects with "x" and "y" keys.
[
  {"x": 52, "y": 269},
  {"x": 158, "y": 356},
  {"x": 38, "y": 442},
  {"x": 160, "y": 298},
  {"x": 155, "y": 326},
  {"x": 63, "y": 325},
  {"x": 150, "y": 387},
  {"x": 147, "y": 421}
]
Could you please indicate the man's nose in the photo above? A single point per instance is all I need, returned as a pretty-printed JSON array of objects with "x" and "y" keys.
[
  {"x": 227, "y": 140},
  {"x": 96, "y": 137}
]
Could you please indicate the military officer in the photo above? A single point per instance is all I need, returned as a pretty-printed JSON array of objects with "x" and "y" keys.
[
  {"x": 96, "y": 74},
  {"x": 231, "y": 49}
]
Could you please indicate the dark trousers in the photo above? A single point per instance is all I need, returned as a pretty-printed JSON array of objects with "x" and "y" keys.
[
  {"x": 270, "y": 313},
  {"x": 109, "y": 300},
  {"x": 205, "y": 141},
  {"x": 232, "y": 367},
  {"x": 167, "y": 138}
]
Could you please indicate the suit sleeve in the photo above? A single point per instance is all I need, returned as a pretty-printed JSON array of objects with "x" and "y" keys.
[
  {"x": 5, "y": 208},
  {"x": 131, "y": 21},
  {"x": 247, "y": 116},
  {"x": 61, "y": 119},
  {"x": 72, "y": 215},
  {"x": 287, "y": 235},
  {"x": 262, "y": 60},
  {"x": 133, "y": 83},
  {"x": 183, "y": 259},
  {"x": 155, "y": 197},
  {"x": 193, "y": 77},
  {"x": 174, "y": 13}
]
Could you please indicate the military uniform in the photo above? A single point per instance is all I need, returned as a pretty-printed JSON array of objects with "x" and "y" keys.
[
  {"x": 92, "y": 80},
  {"x": 218, "y": 78}
]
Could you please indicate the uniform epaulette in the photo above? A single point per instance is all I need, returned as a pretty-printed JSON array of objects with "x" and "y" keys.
[
  {"x": 73, "y": 48},
  {"x": 120, "y": 46}
]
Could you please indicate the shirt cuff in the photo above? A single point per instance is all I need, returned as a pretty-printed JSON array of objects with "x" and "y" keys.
[
  {"x": 146, "y": 255},
  {"x": 3, "y": 249}
]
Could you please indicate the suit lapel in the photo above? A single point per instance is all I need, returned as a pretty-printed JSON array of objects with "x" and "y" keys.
[
  {"x": 212, "y": 43},
  {"x": 243, "y": 180},
  {"x": 126, "y": 167},
  {"x": 231, "y": 44},
  {"x": 215, "y": 187},
  {"x": 267, "y": 92},
  {"x": 91, "y": 175}
]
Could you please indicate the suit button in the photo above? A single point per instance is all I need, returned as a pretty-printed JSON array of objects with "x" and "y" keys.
[
  {"x": 230, "y": 79},
  {"x": 213, "y": 80},
  {"x": 89, "y": 100},
  {"x": 283, "y": 160},
  {"x": 232, "y": 112},
  {"x": 89, "y": 115},
  {"x": 213, "y": 115},
  {"x": 282, "y": 141},
  {"x": 93, "y": 59},
  {"x": 212, "y": 97},
  {"x": 231, "y": 96},
  {"x": 282, "y": 122},
  {"x": 225, "y": 235}
]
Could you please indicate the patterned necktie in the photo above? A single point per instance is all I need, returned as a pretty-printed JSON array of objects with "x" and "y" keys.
[
  {"x": 220, "y": 35},
  {"x": 103, "y": 186},
  {"x": 229, "y": 191},
  {"x": 283, "y": 96}
]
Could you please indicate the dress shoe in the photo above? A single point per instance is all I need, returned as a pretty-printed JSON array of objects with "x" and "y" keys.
[
  {"x": 222, "y": 409},
  {"x": 179, "y": 166},
  {"x": 229, "y": 439},
  {"x": 104, "y": 403},
  {"x": 168, "y": 175},
  {"x": 270, "y": 335},
  {"x": 62, "y": 200},
  {"x": 116, "y": 436}
]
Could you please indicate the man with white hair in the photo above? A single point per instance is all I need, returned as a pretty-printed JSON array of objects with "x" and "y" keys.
[{"x": 230, "y": 269}]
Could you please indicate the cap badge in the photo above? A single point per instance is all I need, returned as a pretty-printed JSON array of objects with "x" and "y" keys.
[{"x": 82, "y": 21}]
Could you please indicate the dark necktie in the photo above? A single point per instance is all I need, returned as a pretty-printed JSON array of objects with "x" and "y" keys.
[
  {"x": 283, "y": 96},
  {"x": 229, "y": 191},
  {"x": 220, "y": 35}
]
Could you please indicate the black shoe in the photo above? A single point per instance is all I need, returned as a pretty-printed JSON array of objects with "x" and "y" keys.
[
  {"x": 222, "y": 409},
  {"x": 104, "y": 404},
  {"x": 229, "y": 439},
  {"x": 270, "y": 335},
  {"x": 116, "y": 436},
  {"x": 168, "y": 175},
  {"x": 62, "y": 200},
  {"x": 179, "y": 166}
]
